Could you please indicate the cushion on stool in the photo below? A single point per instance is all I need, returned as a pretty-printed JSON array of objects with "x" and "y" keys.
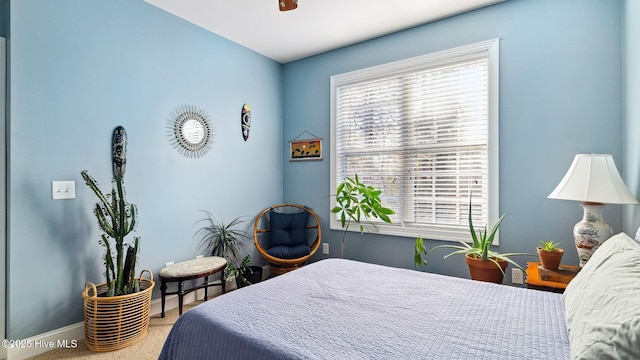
[{"x": 192, "y": 267}]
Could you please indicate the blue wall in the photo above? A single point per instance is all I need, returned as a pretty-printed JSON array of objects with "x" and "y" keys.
[
  {"x": 560, "y": 94},
  {"x": 631, "y": 52},
  {"x": 81, "y": 68}
]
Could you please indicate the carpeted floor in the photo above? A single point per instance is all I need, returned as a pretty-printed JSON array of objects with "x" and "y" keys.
[{"x": 147, "y": 349}]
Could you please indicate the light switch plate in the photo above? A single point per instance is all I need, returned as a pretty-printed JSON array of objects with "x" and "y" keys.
[{"x": 63, "y": 190}]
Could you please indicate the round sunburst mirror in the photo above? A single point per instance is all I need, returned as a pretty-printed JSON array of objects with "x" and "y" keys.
[{"x": 190, "y": 131}]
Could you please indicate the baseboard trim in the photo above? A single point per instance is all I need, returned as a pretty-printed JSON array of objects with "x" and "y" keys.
[
  {"x": 36, "y": 345},
  {"x": 70, "y": 335}
]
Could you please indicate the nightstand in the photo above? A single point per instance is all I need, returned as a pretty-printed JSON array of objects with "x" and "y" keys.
[{"x": 550, "y": 280}]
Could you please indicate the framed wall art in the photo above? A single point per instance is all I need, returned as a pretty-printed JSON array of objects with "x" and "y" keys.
[{"x": 307, "y": 149}]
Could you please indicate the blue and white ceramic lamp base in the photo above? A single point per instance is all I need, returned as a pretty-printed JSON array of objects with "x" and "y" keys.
[{"x": 591, "y": 231}]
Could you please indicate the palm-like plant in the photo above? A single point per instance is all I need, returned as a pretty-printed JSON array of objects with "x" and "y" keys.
[
  {"x": 357, "y": 202},
  {"x": 116, "y": 218},
  {"x": 223, "y": 239}
]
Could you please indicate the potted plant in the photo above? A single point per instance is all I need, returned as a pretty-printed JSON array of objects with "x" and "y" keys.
[
  {"x": 358, "y": 202},
  {"x": 226, "y": 240},
  {"x": 484, "y": 263},
  {"x": 116, "y": 313},
  {"x": 550, "y": 254},
  {"x": 244, "y": 273}
]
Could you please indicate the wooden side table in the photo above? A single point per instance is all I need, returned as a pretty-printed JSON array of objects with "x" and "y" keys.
[
  {"x": 188, "y": 270},
  {"x": 550, "y": 280}
]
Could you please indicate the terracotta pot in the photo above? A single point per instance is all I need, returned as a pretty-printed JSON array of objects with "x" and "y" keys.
[
  {"x": 485, "y": 270},
  {"x": 550, "y": 260}
]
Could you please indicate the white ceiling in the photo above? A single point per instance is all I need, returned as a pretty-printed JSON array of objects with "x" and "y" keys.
[{"x": 315, "y": 26}]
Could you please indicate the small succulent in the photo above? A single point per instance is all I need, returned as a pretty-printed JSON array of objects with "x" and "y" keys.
[{"x": 549, "y": 245}]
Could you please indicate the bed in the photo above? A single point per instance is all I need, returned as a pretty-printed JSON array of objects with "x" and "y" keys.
[{"x": 344, "y": 309}]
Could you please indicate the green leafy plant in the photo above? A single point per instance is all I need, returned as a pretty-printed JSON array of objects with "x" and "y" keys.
[
  {"x": 239, "y": 270},
  {"x": 223, "y": 239},
  {"x": 116, "y": 218},
  {"x": 420, "y": 253},
  {"x": 480, "y": 247},
  {"x": 549, "y": 245},
  {"x": 358, "y": 202}
]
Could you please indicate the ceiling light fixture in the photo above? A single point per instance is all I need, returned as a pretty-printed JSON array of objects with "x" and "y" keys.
[{"x": 286, "y": 5}]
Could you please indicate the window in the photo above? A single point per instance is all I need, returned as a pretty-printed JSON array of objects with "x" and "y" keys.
[{"x": 425, "y": 132}]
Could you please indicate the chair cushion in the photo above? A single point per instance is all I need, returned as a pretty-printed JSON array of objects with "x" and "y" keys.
[
  {"x": 288, "y": 229},
  {"x": 289, "y": 252}
]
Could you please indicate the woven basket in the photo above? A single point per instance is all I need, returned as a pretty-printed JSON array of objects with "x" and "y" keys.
[{"x": 112, "y": 323}]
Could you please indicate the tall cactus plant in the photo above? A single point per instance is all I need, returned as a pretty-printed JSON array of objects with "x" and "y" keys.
[{"x": 116, "y": 218}]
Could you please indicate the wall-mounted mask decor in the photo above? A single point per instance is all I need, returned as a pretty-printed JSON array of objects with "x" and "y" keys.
[
  {"x": 246, "y": 121},
  {"x": 119, "y": 151},
  {"x": 190, "y": 131}
]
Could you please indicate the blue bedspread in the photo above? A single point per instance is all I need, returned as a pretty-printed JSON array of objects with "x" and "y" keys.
[{"x": 343, "y": 309}]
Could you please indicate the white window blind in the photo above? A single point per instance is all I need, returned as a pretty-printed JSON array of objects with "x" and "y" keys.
[{"x": 424, "y": 131}]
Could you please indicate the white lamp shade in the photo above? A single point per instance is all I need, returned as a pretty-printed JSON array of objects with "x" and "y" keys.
[{"x": 593, "y": 178}]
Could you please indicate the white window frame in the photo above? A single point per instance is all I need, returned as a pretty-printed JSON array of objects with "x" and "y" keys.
[{"x": 490, "y": 49}]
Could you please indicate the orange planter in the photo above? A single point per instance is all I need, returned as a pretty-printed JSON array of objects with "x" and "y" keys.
[
  {"x": 550, "y": 260},
  {"x": 484, "y": 270}
]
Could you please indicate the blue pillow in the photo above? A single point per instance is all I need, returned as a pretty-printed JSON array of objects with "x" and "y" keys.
[{"x": 288, "y": 229}]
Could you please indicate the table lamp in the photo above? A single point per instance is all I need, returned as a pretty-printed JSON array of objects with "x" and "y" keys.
[{"x": 594, "y": 180}]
